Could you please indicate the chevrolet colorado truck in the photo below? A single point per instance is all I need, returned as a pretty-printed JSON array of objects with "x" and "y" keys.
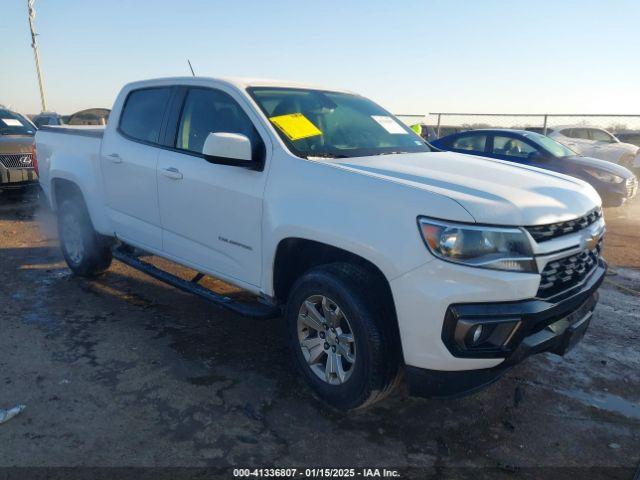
[{"x": 385, "y": 258}]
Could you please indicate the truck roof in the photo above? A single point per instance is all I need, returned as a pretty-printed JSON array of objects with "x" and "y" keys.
[{"x": 237, "y": 82}]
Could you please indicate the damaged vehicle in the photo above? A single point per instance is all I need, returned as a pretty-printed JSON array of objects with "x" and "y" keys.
[{"x": 385, "y": 258}]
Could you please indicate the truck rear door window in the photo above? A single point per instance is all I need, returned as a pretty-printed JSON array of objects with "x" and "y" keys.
[{"x": 143, "y": 112}]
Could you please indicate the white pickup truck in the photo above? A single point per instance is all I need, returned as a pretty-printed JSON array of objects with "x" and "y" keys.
[{"x": 385, "y": 257}]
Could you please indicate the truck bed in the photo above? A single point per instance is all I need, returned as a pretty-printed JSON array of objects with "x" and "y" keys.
[{"x": 84, "y": 130}]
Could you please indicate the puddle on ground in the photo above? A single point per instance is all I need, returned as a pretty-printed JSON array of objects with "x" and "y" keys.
[{"x": 604, "y": 401}]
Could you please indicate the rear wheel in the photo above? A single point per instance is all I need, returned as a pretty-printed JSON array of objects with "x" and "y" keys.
[
  {"x": 341, "y": 336},
  {"x": 87, "y": 253}
]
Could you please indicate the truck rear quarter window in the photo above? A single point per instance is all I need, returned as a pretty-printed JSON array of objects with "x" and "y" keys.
[{"x": 142, "y": 114}]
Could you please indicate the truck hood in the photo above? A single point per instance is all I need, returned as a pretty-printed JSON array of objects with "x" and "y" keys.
[
  {"x": 16, "y": 143},
  {"x": 492, "y": 191}
]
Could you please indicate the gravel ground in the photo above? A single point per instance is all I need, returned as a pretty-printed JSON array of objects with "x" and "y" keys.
[{"x": 126, "y": 371}]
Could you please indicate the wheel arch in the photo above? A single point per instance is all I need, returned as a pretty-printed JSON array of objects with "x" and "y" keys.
[{"x": 295, "y": 256}]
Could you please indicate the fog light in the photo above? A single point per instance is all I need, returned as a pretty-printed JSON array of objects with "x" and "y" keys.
[
  {"x": 477, "y": 333},
  {"x": 486, "y": 335}
]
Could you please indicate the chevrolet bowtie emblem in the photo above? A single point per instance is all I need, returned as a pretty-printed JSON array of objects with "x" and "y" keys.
[{"x": 591, "y": 241}]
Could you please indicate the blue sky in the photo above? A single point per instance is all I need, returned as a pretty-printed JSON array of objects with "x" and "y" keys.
[{"x": 572, "y": 56}]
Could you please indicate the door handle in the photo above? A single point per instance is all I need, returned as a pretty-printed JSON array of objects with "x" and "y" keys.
[
  {"x": 172, "y": 173},
  {"x": 115, "y": 158}
]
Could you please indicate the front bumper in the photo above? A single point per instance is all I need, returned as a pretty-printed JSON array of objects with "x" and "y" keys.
[
  {"x": 615, "y": 196},
  {"x": 17, "y": 177},
  {"x": 543, "y": 326}
]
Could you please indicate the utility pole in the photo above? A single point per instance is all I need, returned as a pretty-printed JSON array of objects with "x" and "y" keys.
[{"x": 34, "y": 45}]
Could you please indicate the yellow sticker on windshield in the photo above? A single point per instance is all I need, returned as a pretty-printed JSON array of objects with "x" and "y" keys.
[{"x": 295, "y": 126}]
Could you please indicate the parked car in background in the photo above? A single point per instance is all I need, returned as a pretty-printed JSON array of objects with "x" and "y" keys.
[
  {"x": 386, "y": 257},
  {"x": 632, "y": 137},
  {"x": 16, "y": 149},
  {"x": 47, "y": 118},
  {"x": 90, "y": 116},
  {"x": 614, "y": 183},
  {"x": 594, "y": 142}
]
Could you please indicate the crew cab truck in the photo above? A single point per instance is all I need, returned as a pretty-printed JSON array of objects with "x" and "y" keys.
[{"x": 385, "y": 257}]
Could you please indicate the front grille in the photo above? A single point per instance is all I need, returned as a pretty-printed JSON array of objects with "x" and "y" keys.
[
  {"x": 564, "y": 274},
  {"x": 632, "y": 187},
  {"x": 16, "y": 160},
  {"x": 541, "y": 233}
]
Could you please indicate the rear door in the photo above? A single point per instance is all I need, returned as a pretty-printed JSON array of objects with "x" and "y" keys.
[
  {"x": 211, "y": 213},
  {"x": 518, "y": 150},
  {"x": 128, "y": 160}
]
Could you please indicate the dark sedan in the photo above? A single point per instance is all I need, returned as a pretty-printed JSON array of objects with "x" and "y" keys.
[
  {"x": 614, "y": 183},
  {"x": 16, "y": 148}
]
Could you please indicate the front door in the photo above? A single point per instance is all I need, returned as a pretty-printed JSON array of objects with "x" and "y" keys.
[
  {"x": 128, "y": 160},
  {"x": 513, "y": 149},
  {"x": 211, "y": 214}
]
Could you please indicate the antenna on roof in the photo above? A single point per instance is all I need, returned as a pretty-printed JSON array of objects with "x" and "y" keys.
[{"x": 189, "y": 62}]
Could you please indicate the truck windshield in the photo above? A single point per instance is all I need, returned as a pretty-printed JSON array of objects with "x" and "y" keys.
[
  {"x": 323, "y": 124},
  {"x": 14, "y": 124}
]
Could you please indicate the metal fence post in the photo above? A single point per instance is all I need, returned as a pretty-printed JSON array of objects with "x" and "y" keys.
[
  {"x": 438, "y": 127},
  {"x": 544, "y": 129}
]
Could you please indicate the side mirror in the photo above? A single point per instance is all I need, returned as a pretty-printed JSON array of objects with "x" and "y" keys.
[{"x": 228, "y": 149}]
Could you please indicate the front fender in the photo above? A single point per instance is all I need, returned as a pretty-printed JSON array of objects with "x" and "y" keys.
[{"x": 369, "y": 217}]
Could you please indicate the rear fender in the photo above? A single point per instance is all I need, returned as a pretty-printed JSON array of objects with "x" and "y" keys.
[{"x": 86, "y": 176}]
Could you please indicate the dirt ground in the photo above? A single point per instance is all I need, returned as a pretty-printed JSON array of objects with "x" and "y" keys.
[{"x": 126, "y": 371}]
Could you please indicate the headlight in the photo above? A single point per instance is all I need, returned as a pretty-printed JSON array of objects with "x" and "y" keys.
[
  {"x": 604, "y": 176},
  {"x": 478, "y": 246}
]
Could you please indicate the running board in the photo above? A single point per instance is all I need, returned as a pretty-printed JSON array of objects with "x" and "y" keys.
[{"x": 254, "y": 310}]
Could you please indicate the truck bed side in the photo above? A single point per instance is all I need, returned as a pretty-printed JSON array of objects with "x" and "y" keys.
[{"x": 73, "y": 155}]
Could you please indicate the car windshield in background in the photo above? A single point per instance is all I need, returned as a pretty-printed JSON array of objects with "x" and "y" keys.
[
  {"x": 549, "y": 144},
  {"x": 324, "y": 124},
  {"x": 13, "y": 124}
]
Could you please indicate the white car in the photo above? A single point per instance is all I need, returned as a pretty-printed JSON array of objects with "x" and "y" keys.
[
  {"x": 594, "y": 142},
  {"x": 383, "y": 256}
]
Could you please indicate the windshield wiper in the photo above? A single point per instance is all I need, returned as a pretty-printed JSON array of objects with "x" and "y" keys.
[
  {"x": 325, "y": 155},
  {"x": 392, "y": 153}
]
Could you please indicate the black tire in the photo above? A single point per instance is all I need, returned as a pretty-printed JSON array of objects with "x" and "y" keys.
[
  {"x": 377, "y": 367},
  {"x": 93, "y": 256}
]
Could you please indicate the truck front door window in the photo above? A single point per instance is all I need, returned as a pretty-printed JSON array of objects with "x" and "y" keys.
[{"x": 206, "y": 111}]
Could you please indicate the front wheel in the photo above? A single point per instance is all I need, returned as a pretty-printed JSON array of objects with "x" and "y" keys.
[
  {"x": 87, "y": 253},
  {"x": 341, "y": 336}
]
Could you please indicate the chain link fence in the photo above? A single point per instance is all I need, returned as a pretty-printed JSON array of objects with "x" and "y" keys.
[{"x": 436, "y": 125}]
